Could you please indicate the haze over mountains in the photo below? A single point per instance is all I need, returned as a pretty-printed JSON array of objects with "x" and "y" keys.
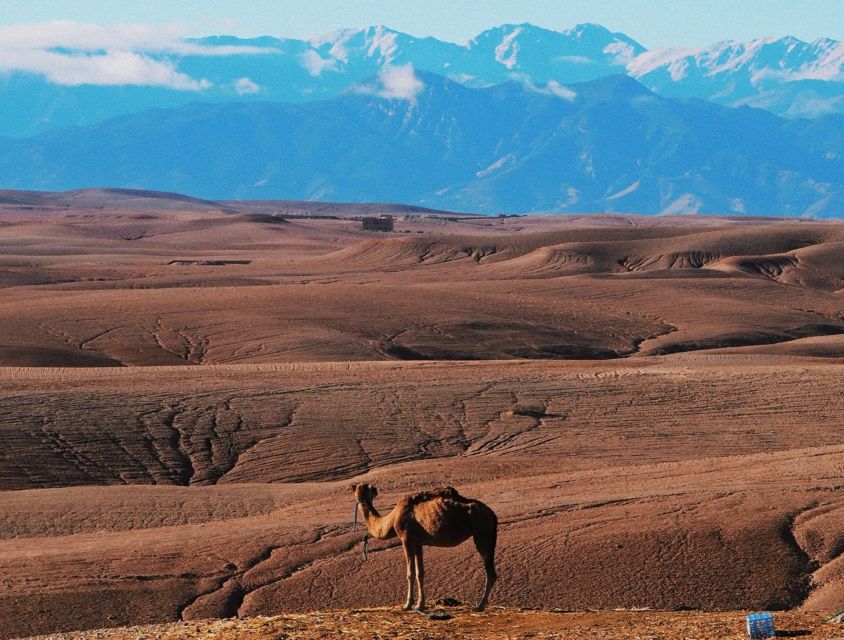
[
  {"x": 519, "y": 119},
  {"x": 612, "y": 146}
]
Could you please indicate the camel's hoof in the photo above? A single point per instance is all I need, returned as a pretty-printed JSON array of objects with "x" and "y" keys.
[
  {"x": 407, "y": 607},
  {"x": 421, "y": 607},
  {"x": 479, "y": 608}
]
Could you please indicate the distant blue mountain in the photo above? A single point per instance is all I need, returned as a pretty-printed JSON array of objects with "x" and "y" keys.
[
  {"x": 609, "y": 144},
  {"x": 785, "y": 76}
]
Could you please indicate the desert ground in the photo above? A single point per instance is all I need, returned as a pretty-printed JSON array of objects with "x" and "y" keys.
[
  {"x": 461, "y": 623},
  {"x": 654, "y": 406}
]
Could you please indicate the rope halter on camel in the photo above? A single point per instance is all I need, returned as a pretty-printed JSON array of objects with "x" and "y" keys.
[{"x": 366, "y": 533}]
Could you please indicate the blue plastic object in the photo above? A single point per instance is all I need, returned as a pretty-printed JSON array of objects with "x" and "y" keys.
[{"x": 761, "y": 625}]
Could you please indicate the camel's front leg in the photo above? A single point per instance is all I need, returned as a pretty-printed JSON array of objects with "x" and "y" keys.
[
  {"x": 411, "y": 571},
  {"x": 420, "y": 579}
]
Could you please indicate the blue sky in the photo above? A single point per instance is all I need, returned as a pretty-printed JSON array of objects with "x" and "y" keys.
[{"x": 654, "y": 23}]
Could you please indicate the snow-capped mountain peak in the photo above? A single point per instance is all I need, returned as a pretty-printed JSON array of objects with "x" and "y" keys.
[
  {"x": 507, "y": 52},
  {"x": 787, "y": 58},
  {"x": 377, "y": 41},
  {"x": 784, "y": 75}
]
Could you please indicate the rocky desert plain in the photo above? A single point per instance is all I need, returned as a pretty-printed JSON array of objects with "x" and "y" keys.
[{"x": 653, "y": 406}]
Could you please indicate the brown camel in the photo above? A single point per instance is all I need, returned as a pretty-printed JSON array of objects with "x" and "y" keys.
[{"x": 438, "y": 518}]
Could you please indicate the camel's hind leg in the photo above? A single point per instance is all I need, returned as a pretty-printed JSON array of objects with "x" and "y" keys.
[
  {"x": 420, "y": 579},
  {"x": 410, "y": 559},
  {"x": 485, "y": 544}
]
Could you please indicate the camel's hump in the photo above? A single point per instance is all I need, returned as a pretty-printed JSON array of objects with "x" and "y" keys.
[{"x": 441, "y": 492}]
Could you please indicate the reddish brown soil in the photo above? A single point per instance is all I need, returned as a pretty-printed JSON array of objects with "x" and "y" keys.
[
  {"x": 709, "y": 478},
  {"x": 97, "y": 288},
  {"x": 466, "y": 625}
]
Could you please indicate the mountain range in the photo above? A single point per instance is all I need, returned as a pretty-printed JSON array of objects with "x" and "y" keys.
[
  {"x": 783, "y": 75},
  {"x": 518, "y": 119},
  {"x": 608, "y": 144}
]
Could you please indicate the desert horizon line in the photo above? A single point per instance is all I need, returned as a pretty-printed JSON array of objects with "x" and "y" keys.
[{"x": 389, "y": 206}]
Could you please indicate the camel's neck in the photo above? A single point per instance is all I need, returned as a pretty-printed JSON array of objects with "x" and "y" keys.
[{"x": 378, "y": 526}]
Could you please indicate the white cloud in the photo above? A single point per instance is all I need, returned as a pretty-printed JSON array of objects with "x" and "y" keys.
[
  {"x": 555, "y": 88},
  {"x": 93, "y": 38},
  {"x": 71, "y": 53},
  {"x": 109, "y": 68},
  {"x": 314, "y": 64},
  {"x": 575, "y": 59},
  {"x": 551, "y": 88},
  {"x": 400, "y": 82},
  {"x": 395, "y": 83},
  {"x": 818, "y": 71},
  {"x": 245, "y": 86},
  {"x": 815, "y": 107}
]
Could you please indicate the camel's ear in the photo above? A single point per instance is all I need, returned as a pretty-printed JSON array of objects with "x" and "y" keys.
[{"x": 353, "y": 487}]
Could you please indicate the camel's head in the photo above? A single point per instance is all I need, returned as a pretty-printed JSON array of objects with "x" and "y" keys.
[{"x": 364, "y": 492}]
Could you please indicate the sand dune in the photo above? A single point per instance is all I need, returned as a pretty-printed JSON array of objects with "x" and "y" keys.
[{"x": 164, "y": 287}]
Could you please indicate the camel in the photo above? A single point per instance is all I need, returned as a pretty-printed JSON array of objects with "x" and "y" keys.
[{"x": 438, "y": 518}]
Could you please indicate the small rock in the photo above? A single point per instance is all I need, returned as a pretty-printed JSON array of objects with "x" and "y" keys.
[
  {"x": 836, "y": 617},
  {"x": 448, "y": 602},
  {"x": 439, "y": 615}
]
